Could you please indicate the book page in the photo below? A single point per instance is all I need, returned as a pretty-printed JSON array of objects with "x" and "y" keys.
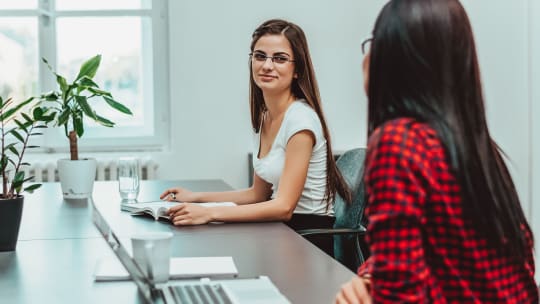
[
  {"x": 158, "y": 209},
  {"x": 154, "y": 205}
]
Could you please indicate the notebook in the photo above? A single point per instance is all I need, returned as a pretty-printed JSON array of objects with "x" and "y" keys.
[
  {"x": 110, "y": 269},
  {"x": 259, "y": 290}
]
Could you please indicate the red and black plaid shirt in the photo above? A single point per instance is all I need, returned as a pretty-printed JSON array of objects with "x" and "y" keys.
[{"x": 422, "y": 248}]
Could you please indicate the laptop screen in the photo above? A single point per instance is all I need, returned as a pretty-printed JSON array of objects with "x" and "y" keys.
[{"x": 112, "y": 240}]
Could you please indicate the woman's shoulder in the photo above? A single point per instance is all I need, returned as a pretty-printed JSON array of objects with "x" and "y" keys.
[
  {"x": 300, "y": 116},
  {"x": 401, "y": 130},
  {"x": 301, "y": 106},
  {"x": 405, "y": 139},
  {"x": 300, "y": 112}
]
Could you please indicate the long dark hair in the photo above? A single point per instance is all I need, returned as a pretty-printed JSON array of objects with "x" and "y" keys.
[
  {"x": 423, "y": 65},
  {"x": 304, "y": 86}
]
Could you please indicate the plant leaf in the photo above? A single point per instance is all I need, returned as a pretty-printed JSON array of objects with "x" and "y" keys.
[
  {"x": 7, "y": 114},
  {"x": 26, "y": 117},
  {"x": 4, "y": 162},
  {"x": 51, "y": 96},
  {"x": 7, "y": 103},
  {"x": 14, "y": 151},
  {"x": 10, "y": 145},
  {"x": 21, "y": 125},
  {"x": 62, "y": 83},
  {"x": 78, "y": 125},
  {"x": 116, "y": 105},
  {"x": 63, "y": 118},
  {"x": 89, "y": 68},
  {"x": 18, "y": 178},
  {"x": 47, "y": 63},
  {"x": 99, "y": 92},
  {"x": 28, "y": 179},
  {"x": 88, "y": 82},
  {"x": 37, "y": 113},
  {"x": 17, "y": 135},
  {"x": 81, "y": 100},
  {"x": 46, "y": 119},
  {"x": 31, "y": 188},
  {"x": 104, "y": 121}
]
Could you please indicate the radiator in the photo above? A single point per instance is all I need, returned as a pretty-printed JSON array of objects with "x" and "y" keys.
[{"x": 106, "y": 170}]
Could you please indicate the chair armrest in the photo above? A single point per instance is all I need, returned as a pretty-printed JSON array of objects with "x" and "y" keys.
[{"x": 309, "y": 232}]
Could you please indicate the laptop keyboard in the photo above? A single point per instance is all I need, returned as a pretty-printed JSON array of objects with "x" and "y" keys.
[{"x": 199, "y": 294}]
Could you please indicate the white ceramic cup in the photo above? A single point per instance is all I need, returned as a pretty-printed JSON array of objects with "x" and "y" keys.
[
  {"x": 128, "y": 178},
  {"x": 152, "y": 252}
]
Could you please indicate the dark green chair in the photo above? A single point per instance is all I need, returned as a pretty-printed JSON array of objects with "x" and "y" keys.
[{"x": 348, "y": 232}]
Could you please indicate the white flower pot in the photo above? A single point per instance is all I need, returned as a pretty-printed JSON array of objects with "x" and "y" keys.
[{"x": 77, "y": 177}]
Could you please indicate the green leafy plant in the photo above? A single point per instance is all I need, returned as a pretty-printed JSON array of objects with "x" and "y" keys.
[
  {"x": 71, "y": 102},
  {"x": 16, "y": 128}
]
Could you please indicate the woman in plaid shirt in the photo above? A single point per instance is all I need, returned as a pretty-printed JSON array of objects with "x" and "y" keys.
[{"x": 445, "y": 221}]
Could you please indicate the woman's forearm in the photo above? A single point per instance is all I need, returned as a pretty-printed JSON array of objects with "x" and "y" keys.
[
  {"x": 271, "y": 210},
  {"x": 240, "y": 197}
]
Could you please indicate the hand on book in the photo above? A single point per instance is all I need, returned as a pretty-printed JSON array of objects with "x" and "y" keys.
[
  {"x": 178, "y": 194},
  {"x": 189, "y": 214}
]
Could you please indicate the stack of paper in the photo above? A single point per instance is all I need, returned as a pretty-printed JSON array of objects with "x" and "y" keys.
[{"x": 110, "y": 269}]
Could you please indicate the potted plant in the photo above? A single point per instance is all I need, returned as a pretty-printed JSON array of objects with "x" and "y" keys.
[
  {"x": 16, "y": 128},
  {"x": 71, "y": 103}
]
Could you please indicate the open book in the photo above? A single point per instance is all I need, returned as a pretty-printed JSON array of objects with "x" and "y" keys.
[
  {"x": 158, "y": 209},
  {"x": 110, "y": 269}
]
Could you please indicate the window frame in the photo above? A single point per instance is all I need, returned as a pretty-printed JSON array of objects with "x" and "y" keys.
[{"x": 54, "y": 140}]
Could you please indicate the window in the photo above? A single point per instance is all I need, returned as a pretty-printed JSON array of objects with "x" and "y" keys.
[{"x": 132, "y": 38}]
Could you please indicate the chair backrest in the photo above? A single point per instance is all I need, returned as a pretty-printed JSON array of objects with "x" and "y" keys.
[{"x": 351, "y": 166}]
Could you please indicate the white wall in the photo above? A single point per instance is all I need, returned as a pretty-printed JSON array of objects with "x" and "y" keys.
[{"x": 534, "y": 89}]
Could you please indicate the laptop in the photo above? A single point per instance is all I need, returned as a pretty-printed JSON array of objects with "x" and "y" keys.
[{"x": 234, "y": 291}]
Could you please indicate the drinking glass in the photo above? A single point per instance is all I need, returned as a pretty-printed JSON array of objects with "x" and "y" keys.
[{"x": 128, "y": 179}]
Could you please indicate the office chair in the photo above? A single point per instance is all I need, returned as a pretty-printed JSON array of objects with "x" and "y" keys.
[{"x": 348, "y": 230}]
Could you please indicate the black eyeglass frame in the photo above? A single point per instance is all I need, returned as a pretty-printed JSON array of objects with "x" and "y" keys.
[
  {"x": 272, "y": 58},
  {"x": 364, "y": 43}
]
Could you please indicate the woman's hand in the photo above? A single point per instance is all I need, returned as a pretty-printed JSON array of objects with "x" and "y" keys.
[
  {"x": 355, "y": 291},
  {"x": 189, "y": 214},
  {"x": 178, "y": 194}
]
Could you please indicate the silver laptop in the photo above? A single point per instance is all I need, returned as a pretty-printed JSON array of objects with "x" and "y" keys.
[{"x": 253, "y": 291}]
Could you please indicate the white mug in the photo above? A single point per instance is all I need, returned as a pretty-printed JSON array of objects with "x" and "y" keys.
[
  {"x": 128, "y": 178},
  {"x": 152, "y": 252}
]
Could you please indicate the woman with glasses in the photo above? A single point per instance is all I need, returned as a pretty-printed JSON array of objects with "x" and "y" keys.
[
  {"x": 295, "y": 176},
  {"x": 445, "y": 221}
]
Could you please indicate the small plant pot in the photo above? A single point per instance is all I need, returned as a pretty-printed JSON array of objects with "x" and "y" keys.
[
  {"x": 10, "y": 221},
  {"x": 77, "y": 177}
]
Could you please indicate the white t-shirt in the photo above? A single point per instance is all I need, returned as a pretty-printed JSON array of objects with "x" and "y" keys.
[{"x": 299, "y": 116}]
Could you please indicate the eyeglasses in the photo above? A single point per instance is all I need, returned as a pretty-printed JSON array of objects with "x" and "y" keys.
[
  {"x": 366, "y": 45},
  {"x": 261, "y": 57}
]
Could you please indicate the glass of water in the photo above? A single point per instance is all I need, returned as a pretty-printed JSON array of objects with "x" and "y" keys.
[{"x": 128, "y": 179}]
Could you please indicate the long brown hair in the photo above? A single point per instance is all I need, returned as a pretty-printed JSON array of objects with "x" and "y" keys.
[
  {"x": 304, "y": 86},
  {"x": 423, "y": 64}
]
